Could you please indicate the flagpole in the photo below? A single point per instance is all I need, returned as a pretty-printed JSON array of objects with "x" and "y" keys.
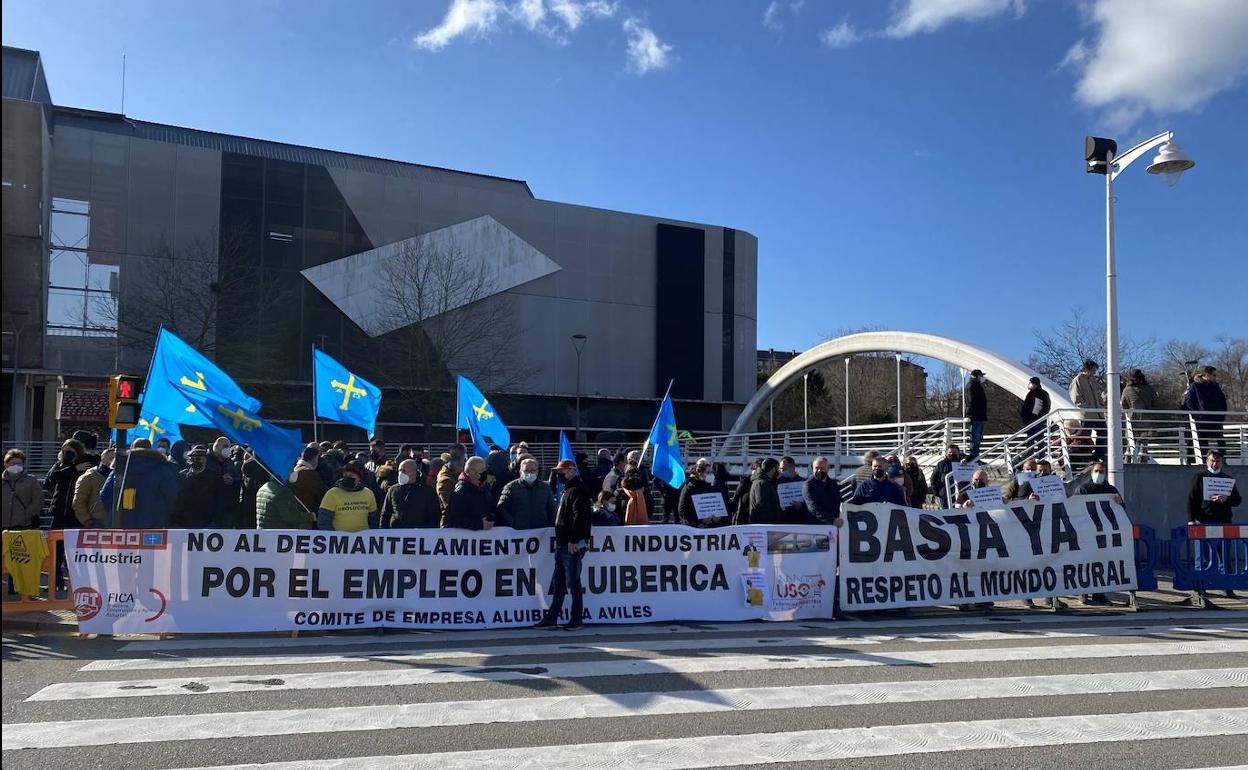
[{"x": 314, "y": 425}]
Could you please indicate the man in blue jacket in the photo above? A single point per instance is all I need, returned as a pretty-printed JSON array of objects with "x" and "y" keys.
[
  {"x": 878, "y": 488},
  {"x": 148, "y": 486},
  {"x": 1206, "y": 400}
]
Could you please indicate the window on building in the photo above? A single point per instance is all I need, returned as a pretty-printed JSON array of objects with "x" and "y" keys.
[{"x": 82, "y": 288}]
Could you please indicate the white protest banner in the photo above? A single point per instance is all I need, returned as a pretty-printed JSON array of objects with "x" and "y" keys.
[
  {"x": 220, "y": 581},
  {"x": 1049, "y": 489},
  {"x": 791, "y": 493},
  {"x": 710, "y": 505},
  {"x": 1214, "y": 486},
  {"x": 906, "y": 557},
  {"x": 962, "y": 473},
  {"x": 986, "y": 497}
]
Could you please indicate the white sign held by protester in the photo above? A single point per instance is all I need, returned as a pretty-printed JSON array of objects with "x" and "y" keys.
[
  {"x": 986, "y": 497},
  {"x": 1216, "y": 486},
  {"x": 710, "y": 506},
  {"x": 1049, "y": 489},
  {"x": 791, "y": 493}
]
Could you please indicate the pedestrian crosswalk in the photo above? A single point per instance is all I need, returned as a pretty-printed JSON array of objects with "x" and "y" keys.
[{"x": 711, "y": 695}]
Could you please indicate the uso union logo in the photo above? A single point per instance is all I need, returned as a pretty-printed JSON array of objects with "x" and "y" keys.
[
  {"x": 129, "y": 539},
  {"x": 87, "y": 603}
]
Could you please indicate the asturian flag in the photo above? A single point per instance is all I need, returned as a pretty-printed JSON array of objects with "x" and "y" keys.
[
  {"x": 176, "y": 366},
  {"x": 668, "y": 465},
  {"x": 342, "y": 396},
  {"x": 480, "y": 418}
]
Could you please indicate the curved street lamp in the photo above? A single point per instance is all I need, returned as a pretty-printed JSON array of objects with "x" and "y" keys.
[{"x": 1102, "y": 157}]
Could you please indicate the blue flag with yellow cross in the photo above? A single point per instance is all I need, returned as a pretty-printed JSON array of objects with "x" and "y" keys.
[{"x": 343, "y": 396}]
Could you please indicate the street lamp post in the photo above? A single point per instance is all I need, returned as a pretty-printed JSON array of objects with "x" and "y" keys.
[
  {"x": 847, "y": 390},
  {"x": 1101, "y": 156},
  {"x": 578, "y": 344},
  {"x": 898, "y": 355},
  {"x": 805, "y": 403}
]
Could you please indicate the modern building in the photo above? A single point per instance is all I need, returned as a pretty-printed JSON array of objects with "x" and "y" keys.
[{"x": 254, "y": 251}]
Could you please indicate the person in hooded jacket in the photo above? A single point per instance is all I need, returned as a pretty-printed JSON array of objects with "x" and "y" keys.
[
  {"x": 142, "y": 489},
  {"x": 764, "y": 496},
  {"x": 199, "y": 491},
  {"x": 410, "y": 502},
  {"x": 526, "y": 503}
]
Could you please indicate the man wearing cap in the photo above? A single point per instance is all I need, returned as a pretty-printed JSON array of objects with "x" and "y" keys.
[
  {"x": 1207, "y": 402},
  {"x": 976, "y": 410},
  {"x": 348, "y": 506},
  {"x": 1212, "y": 510},
  {"x": 573, "y": 526},
  {"x": 1035, "y": 406}
]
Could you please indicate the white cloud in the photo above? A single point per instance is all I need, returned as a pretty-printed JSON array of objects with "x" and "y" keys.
[
  {"x": 646, "y": 52},
  {"x": 1160, "y": 56},
  {"x": 919, "y": 16},
  {"x": 464, "y": 17},
  {"x": 773, "y": 17},
  {"x": 476, "y": 18},
  {"x": 843, "y": 35}
]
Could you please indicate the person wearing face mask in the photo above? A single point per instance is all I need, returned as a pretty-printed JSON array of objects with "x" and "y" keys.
[
  {"x": 1098, "y": 484},
  {"x": 878, "y": 489},
  {"x": 573, "y": 529},
  {"x": 979, "y": 480},
  {"x": 897, "y": 474},
  {"x": 410, "y": 503},
  {"x": 59, "y": 484},
  {"x": 21, "y": 494},
  {"x": 953, "y": 456},
  {"x": 700, "y": 481},
  {"x": 823, "y": 494},
  {"x": 1215, "y": 510},
  {"x": 88, "y": 508},
  {"x": 199, "y": 493},
  {"x": 220, "y": 463},
  {"x": 349, "y": 505},
  {"x": 162, "y": 446},
  {"x": 525, "y": 502},
  {"x": 470, "y": 506},
  {"x": 605, "y": 513}
]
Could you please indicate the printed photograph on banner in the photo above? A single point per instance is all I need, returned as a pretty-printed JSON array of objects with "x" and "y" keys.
[
  {"x": 754, "y": 587},
  {"x": 780, "y": 541}
]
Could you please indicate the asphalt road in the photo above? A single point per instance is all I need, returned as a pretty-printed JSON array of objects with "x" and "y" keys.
[{"x": 1160, "y": 689}]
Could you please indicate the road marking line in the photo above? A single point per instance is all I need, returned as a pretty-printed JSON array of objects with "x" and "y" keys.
[
  {"x": 563, "y": 647},
  {"x": 813, "y": 745},
  {"x": 252, "y": 724},
  {"x": 444, "y": 674},
  {"x": 1018, "y": 620}
]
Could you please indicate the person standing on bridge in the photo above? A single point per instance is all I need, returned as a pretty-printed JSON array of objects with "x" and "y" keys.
[
  {"x": 1035, "y": 406},
  {"x": 1207, "y": 403},
  {"x": 976, "y": 410},
  {"x": 1086, "y": 392},
  {"x": 1139, "y": 395},
  {"x": 573, "y": 528}
]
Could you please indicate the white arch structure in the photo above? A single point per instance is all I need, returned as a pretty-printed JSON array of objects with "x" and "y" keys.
[{"x": 1006, "y": 372}]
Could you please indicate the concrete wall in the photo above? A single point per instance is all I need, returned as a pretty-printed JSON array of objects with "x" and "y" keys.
[{"x": 1157, "y": 494}]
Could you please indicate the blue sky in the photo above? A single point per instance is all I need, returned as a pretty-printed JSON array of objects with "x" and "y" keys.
[{"x": 913, "y": 164}]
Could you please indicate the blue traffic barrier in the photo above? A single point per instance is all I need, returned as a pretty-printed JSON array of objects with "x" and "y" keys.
[
  {"x": 1147, "y": 553},
  {"x": 1210, "y": 557}
]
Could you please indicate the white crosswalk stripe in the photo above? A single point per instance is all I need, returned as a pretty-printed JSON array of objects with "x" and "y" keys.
[
  {"x": 146, "y": 688},
  {"x": 562, "y": 647},
  {"x": 539, "y": 700}
]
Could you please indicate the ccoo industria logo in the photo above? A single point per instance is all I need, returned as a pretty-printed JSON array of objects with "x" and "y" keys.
[{"x": 129, "y": 539}]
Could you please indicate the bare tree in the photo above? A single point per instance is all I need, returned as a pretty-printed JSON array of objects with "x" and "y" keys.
[
  {"x": 1061, "y": 350},
  {"x": 450, "y": 319},
  {"x": 191, "y": 291}
]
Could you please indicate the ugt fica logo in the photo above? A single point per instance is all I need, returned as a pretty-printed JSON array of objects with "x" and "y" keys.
[{"x": 87, "y": 603}]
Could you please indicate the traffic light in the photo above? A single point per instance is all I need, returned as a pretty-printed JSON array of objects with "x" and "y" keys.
[{"x": 123, "y": 401}]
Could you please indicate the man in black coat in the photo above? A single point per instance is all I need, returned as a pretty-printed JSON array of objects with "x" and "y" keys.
[
  {"x": 1213, "y": 511},
  {"x": 976, "y": 410},
  {"x": 200, "y": 489},
  {"x": 470, "y": 506},
  {"x": 1035, "y": 406},
  {"x": 822, "y": 494},
  {"x": 573, "y": 526},
  {"x": 411, "y": 503}
]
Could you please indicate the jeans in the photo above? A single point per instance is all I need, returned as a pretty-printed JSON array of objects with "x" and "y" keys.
[
  {"x": 977, "y": 437},
  {"x": 567, "y": 578}
]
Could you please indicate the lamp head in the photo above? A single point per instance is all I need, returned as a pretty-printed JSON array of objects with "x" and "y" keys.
[{"x": 1170, "y": 163}]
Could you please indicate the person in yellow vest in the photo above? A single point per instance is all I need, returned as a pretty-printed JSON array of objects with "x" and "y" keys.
[{"x": 349, "y": 506}]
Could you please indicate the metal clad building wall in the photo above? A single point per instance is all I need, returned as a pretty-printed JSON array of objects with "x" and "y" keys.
[{"x": 680, "y": 260}]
